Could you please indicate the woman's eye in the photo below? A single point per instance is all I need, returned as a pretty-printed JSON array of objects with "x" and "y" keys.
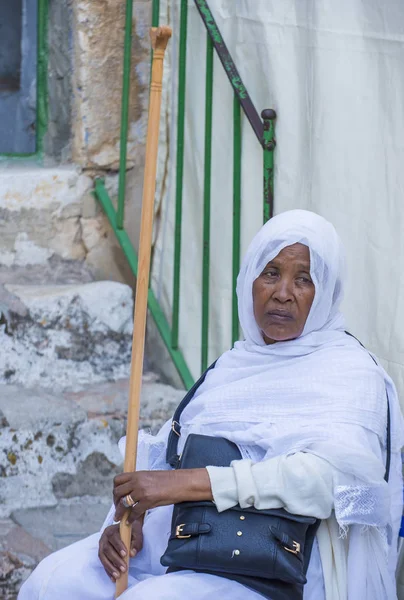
[
  {"x": 305, "y": 279},
  {"x": 271, "y": 273}
]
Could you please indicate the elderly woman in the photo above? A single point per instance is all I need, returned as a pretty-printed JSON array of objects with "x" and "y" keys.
[{"x": 306, "y": 406}]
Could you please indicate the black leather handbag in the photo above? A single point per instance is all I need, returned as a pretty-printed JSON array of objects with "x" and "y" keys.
[{"x": 266, "y": 550}]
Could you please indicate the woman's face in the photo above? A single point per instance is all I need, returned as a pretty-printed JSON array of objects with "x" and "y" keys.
[{"x": 283, "y": 295}]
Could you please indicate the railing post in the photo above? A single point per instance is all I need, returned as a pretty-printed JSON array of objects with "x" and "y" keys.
[
  {"x": 156, "y": 13},
  {"x": 127, "y": 60},
  {"x": 236, "y": 213},
  {"x": 182, "y": 60},
  {"x": 264, "y": 130},
  {"x": 268, "y": 115},
  {"x": 159, "y": 318},
  {"x": 206, "y": 203},
  {"x": 42, "y": 75}
]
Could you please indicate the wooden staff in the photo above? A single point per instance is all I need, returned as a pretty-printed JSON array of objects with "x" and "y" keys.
[{"x": 159, "y": 39}]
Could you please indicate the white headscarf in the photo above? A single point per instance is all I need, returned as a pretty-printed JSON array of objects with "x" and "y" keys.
[
  {"x": 322, "y": 374},
  {"x": 326, "y": 266}
]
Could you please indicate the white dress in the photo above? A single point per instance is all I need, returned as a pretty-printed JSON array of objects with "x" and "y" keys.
[{"x": 75, "y": 573}]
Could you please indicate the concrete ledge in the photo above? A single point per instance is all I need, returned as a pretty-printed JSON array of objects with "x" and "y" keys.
[{"x": 33, "y": 187}]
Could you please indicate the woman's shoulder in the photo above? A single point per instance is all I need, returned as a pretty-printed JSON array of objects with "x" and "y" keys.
[{"x": 355, "y": 365}]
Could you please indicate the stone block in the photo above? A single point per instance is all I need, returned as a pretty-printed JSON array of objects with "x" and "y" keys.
[
  {"x": 49, "y": 436},
  {"x": 24, "y": 252},
  {"x": 35, "y": 533},
  {"x": 24, "y": 188},
  {"x": 61, "y": 446},
  {"x": 49, "y": 216},
  {"x": 93, "y": 231},
  {"x": 66, "y": 523},
  {"x": 13, "y": 572},
  {"x": 110, "y": 400},
  {"x": 71, "y": 211},
  {"x": 17, "y": 541},
  {"x": 98, "y": 58},
  {"x": 19, "y": 555},
  {"x": 67, "y": 241},
  {"x": 94, "y": 474},
  {"x": 56, "y": 271},
  {"x": 70, "y": 335},
  {"x": 84, "y": 184},
  {"x": 104, "y": 255},
  {"x": 103, "y": 306},
  {"x": 40, "y": 210},
  {"x": 91, "y": 207}
]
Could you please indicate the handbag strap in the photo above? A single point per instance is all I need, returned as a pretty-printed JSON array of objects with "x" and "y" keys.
[
  {"x": 388, "y": 436},
  {"x": 175, "y": 433}
]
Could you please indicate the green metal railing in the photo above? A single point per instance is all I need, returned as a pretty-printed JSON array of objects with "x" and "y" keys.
[
  {"x": 264, "y": 131},
  {"x": 42, "y": 76},
  {"x": 207, "y": 203}
]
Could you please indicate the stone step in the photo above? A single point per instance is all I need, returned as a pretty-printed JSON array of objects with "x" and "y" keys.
[
  {"x": 59, "y": 526},
  {"x": 64, "y": 367},
  {"x": 31, "y": 534},
  {"x": 65, "y": 336},
  {"x": 56, "y": 446},
  {"x": 20, "y": 552}
]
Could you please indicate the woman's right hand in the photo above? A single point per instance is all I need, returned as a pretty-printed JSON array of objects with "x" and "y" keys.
[{"x": 112, "y": 551}]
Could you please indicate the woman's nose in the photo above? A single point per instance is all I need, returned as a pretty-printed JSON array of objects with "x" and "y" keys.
[{"x": 283, "y": 291}]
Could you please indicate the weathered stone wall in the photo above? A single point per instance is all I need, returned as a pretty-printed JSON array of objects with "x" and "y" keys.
[
  {"x": 58, "y": 137},
  {"x": 49, "y": 214},
  {"x": 51, "y": 228},
  {"x": 98, "y": 66},
  {"x": 65, "y": 338}
]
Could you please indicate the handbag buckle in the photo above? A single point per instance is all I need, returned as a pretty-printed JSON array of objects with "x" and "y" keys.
[
  {"x": 178, "y": 532},
  {"x": 173, "y": 427},
  {"x": 295, "y": 549}
]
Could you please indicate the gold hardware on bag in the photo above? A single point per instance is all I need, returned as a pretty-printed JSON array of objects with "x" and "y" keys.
[
  {"x": 178, "y": 532},
  {"x": 239, "y": 533},
  {"x": 173, "y": 424},
  {"x": 242, "y": 518},
  {"x": 295, "y": 550}
]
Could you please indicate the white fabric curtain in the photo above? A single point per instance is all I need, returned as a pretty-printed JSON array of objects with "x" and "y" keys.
[{"x": 334, "y": 73}]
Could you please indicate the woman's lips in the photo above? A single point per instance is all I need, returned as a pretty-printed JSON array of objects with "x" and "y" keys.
[{"x": 280, "y": 316}]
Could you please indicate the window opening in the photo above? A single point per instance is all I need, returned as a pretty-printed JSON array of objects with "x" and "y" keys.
[
  {"x": 18, "y": 74},
  {"x": 10, "y": 44}
]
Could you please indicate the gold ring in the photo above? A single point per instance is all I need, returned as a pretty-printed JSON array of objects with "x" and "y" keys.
[{"x": 128, "y": 501}]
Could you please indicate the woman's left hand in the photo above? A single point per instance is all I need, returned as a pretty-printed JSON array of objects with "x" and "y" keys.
[{"x": 150, "y": 489}]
